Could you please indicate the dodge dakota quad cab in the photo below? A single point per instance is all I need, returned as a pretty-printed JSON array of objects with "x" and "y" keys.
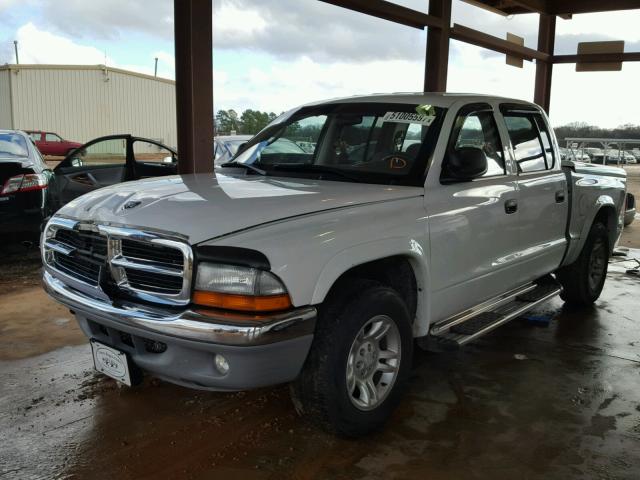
[{"x": 428, "y": 216}]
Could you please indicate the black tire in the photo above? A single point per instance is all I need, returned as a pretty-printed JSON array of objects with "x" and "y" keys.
[
  {"x": 583, "y": 280},
  {"x": 320, "y": 393}
]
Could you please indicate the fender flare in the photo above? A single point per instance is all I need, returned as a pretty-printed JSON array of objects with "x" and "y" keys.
[
  {"x": 367, "y": 252},
  {"x": 603, "y": 201}
]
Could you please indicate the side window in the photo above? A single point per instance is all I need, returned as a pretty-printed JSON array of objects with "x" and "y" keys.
[
  {"x": 525, "y": 138},
  {"x": 52, "y": 137},
  {"x": 479, "y": 130},
  {"x": 35, "y": 136},
  {"x": 546, "y": 141},
  {"x": 148, "y": 152},
  {"x": 106, "y": 152}
]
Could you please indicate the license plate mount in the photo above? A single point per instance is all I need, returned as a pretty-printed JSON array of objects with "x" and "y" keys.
[{"x": 112, "y": 362}]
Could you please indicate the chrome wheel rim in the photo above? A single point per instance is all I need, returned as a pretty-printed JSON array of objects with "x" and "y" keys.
[
  {"x": 597, "y": 264},
  {"x": 373, "y": 362}
]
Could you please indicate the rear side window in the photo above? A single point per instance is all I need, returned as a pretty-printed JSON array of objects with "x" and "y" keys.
[
  {"x": 531, "y": 141},
  {"x": 52, "y": 137}
]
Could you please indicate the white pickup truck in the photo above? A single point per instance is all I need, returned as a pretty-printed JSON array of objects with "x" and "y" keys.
[{"x": 429, "y": 216}]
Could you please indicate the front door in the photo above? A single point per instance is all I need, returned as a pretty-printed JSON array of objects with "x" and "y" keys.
[
  {"x": 100, "y": 163},
  {"x": 473, "y": 225}
]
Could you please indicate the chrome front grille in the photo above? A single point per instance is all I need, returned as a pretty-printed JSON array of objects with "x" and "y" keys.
[
  {"x": 147, "y": 265},
  {"x": 85, "y": 256}
]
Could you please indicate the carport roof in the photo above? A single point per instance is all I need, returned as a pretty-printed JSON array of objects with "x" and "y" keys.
[
  {"x": 194, "y": 43},
  {"x": 555, "y": 7}
]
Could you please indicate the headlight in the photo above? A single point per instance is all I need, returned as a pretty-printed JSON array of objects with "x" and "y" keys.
[{"x": 239, "y": 288}]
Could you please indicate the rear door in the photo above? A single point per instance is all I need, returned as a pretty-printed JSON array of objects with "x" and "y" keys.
[
  {"x": 543, "y": 194},
  {"x": 102, "y": 162}
]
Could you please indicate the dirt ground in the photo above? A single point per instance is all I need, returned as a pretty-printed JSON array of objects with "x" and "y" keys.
[{"x": 552, "y": 401}]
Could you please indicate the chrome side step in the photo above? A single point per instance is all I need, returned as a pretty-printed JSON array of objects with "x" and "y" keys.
[
  {"x": 487, "y": 306},
  {"x": 475, "y": 325}
]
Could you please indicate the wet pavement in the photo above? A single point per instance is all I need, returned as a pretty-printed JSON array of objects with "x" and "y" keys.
[{"x": 528, "y": 401}]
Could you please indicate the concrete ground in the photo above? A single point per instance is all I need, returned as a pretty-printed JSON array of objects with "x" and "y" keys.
[{"x": 529, "y": 401}]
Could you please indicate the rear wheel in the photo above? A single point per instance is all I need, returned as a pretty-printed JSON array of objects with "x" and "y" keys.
[
  {"x": 583, "y": 280},
  {"x": 359, "y": 362}
]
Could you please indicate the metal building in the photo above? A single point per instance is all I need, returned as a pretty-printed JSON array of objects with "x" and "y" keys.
[{"x": 82, "y": 102}]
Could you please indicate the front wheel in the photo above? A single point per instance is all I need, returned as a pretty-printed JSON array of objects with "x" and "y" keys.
[
  {"x": 583, "y": 280},
  {"x": 359, "y": 363}
]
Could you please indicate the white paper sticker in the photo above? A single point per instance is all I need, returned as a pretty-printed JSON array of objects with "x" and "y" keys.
[{"x": 408, "y": 117}]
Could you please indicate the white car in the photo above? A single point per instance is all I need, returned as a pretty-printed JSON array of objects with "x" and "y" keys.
[{"x": 321, "y": 267}]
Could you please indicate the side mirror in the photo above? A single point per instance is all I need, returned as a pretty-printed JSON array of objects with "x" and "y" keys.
[
  {"x": 76, "y": 162},
  {"x": 465, "y": 163}
]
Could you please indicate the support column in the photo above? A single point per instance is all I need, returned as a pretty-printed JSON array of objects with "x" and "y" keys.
[
  {"x": 544, "y": 70},
  {"x": 194, "y": 85},
  {"x": 437, "y": 62}
]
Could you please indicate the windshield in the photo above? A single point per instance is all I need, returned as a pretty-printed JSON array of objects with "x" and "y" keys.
[
  {"x": 13, "y": 145},
  {"x": 364, "y": 142}
]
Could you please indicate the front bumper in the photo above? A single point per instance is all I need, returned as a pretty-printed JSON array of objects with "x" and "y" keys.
[{"x": 260, "y": 350}]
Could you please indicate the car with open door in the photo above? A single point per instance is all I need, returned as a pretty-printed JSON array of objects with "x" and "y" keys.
[{"x": 110, "y": 160}]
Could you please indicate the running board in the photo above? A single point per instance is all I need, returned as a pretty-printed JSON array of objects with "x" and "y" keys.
[{"x": 478, "y": 321}]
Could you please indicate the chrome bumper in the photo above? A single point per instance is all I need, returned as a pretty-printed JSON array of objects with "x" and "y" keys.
[{"x": 221, "y": 328}]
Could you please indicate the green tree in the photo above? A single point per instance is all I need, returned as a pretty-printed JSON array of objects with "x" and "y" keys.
[
  {"x": 254, "y": 120},
  {"x": 227, "y": 121}
]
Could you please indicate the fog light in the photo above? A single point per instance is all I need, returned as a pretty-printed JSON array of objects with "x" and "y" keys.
[{"x": 221, "y": 364}]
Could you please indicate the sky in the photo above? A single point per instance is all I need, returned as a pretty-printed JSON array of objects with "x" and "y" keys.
[{"x": 275, "y": 54}]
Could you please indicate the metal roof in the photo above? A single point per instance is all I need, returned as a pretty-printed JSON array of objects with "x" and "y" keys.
[{"x": 555, "y": 7}]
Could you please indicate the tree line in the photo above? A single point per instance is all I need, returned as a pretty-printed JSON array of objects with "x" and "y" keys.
[
  {"x": 583, "y": 129},
  {"x": 248, "y": 122}
]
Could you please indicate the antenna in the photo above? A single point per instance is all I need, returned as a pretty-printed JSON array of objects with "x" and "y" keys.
[
  {"x": 15, "y": 47},
  {"x": 155, "y": 70}
]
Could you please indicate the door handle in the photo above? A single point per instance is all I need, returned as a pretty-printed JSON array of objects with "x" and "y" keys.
[
  {"x": 560, "y": 196},
  {"x": 511, "y": 206}
]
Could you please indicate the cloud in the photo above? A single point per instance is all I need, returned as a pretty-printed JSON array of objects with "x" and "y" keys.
[
  {"x": 112, "y": 19},
  {"x": 39, "y": 46},
  {"x": 286, "y": 84}
]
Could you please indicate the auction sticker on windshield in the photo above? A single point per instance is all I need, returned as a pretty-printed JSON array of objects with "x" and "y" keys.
[
  {"x": 111, "y": 362},
  {"x": 408, "y": 117}
]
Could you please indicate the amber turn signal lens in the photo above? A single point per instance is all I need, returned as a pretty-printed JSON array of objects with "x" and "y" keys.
[{"x": 244, "y": 303}]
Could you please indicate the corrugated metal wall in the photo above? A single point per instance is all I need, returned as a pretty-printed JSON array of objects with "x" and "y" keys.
[
  {"x": 81, "y": 104},
  {"x": 5, "y": 100}
]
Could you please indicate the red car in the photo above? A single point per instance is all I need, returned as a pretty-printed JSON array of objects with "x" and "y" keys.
[{"x": 50, "y": 143}]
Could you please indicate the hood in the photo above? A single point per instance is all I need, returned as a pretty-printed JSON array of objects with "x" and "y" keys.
[{"x": 203, "y": 207}]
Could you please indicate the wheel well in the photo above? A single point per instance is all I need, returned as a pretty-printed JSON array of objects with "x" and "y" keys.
[
  {"x": 395, "y": 272},
  {"x": 607, "y": 216}
]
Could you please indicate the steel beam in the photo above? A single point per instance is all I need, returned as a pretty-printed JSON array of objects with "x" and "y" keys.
[
  {"x": 544, "y": 68},
  {"x": 194, "y": 85},
  {"x": 437, "y": 62},
  {"x": 484, "y": 40},
  {"x": 560, "y": 7},
  {"x": 389, "y": 11},
  {"x": 598, "y": 58}
]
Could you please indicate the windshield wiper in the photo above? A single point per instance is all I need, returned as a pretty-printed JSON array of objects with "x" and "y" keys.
[
  {"x": 299, "y": 167},
  {"x": 246, "y": 166}
]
